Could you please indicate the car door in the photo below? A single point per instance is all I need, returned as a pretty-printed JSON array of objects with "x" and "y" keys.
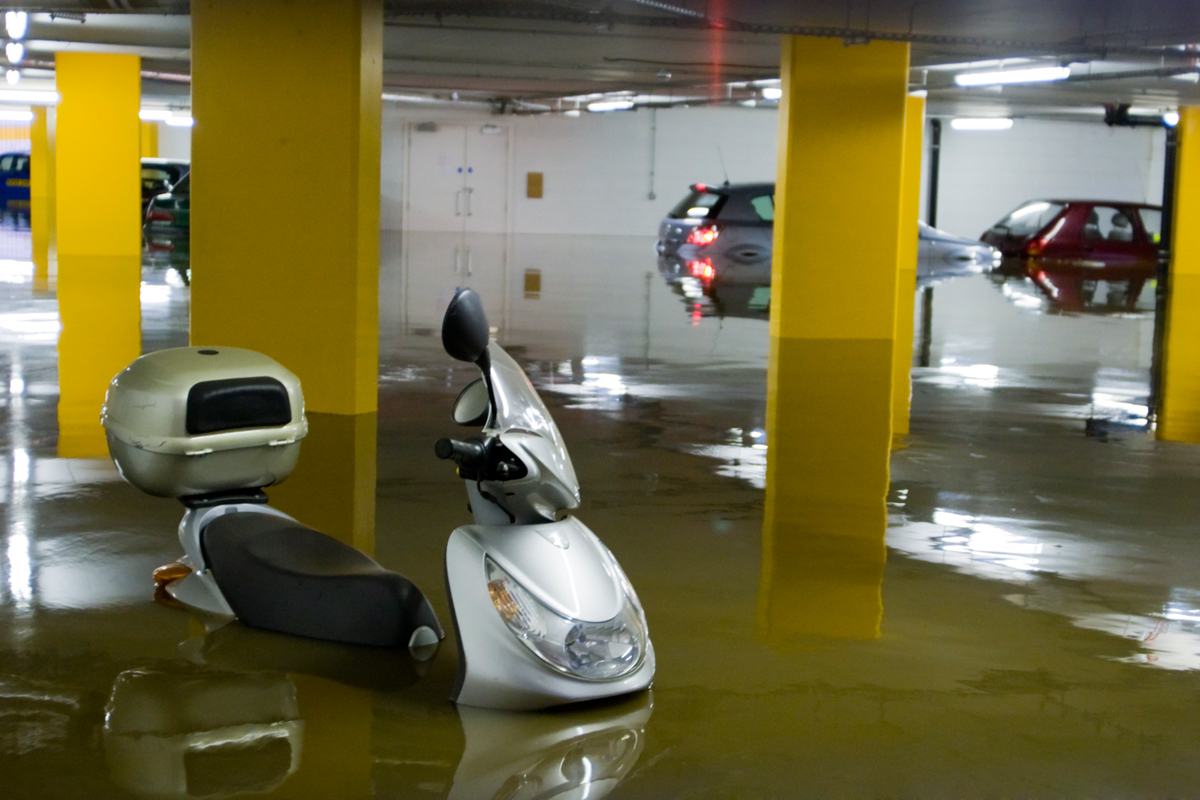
[{"x": 1111, "y": 240}]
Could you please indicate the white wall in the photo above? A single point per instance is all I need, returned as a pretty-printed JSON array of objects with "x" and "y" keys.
[
  {"x": 597, "y": 166},
  {"x": 986, "y": 174},
  {"x": 174, "y": 142}
]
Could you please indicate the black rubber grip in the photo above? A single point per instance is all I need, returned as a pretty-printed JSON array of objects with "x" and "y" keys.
[{"x": 463, "y": 452}]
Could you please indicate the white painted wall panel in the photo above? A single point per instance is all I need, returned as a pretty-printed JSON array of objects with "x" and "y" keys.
[
  {"x": 174, "y": 142},
  {"x": 597, "y": 166},
  {"x": 986, "y": 174}
]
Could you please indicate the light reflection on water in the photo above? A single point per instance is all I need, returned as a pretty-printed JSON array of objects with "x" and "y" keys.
[{"x": 1018, "y": 552}]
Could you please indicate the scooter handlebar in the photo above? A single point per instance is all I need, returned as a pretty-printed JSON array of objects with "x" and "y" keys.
[{"x": 466, "y": 453}]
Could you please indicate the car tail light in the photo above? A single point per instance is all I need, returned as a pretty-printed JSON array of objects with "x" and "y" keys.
[
  {"x": 159, "y": 215},
  {"x": 1035, "y": 246},
  {"x": 702, "y": 269},
  {"x": 703, "y": 234}
]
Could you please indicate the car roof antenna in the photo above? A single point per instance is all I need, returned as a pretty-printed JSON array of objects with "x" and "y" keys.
[{"x": 721, "y": 158}]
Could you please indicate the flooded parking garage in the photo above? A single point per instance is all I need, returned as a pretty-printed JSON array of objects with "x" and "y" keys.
[
  {"x": 892, "y": 425},
  {"x": 1031, "y": 630}
]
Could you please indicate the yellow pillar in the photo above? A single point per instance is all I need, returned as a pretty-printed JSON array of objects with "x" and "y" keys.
[
  {"x": 906, "y": 285},
  {"x": 833, "y": 312},
  {"x": 41, "y": 193},
  {"x": 98, "y": 199},
  {"x": 285, "y": 188},
  {"x": 1179, "y": 418},
  {"x": 149, "y": 139},
  {"x": 285, "y": 221},
  {"x": 333, "y": 487}
]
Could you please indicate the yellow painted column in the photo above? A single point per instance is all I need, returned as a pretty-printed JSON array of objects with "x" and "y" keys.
[
  {"x": 285, "y": 188},
  {"x": 98, "y": 200},
  {"x": 1179, "y": 419},
  {"x": 906, "y": 284},
  {"x": 285, "y": 223},
  {"x": 149, "y": 139},
  {"x": 833, "y": 319},
  {"x": 42, "y": 193}
]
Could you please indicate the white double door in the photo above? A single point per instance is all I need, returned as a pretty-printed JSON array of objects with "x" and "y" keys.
[{"x": 456, "y": 216}]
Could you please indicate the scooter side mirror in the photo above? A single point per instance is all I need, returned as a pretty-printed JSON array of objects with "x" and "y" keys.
[
  {"x": 473, "y": 403},
  {"x": 465, "y": 327}
]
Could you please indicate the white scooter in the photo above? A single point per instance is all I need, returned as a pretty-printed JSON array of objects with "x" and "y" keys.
[
  {"x": 211, "y": 427},
  {"x": 544, "y": 613}
]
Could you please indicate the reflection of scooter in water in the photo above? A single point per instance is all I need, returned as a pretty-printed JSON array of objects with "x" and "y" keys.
[
  {"x": 211, "y": 427},
  {"x": 544, "y": 613},
  {"x": 527, "y": 757},
  {"x": 201, "y": 734}
]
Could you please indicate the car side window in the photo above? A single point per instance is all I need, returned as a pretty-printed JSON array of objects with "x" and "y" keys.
[
  {"x": 20, "y": 163},
  {"x": 764, "y": 206},
  {"x": 1108, "y": 223},
  {"x": 6, "y": 163},
  {"x": 1152, "y": 223}
]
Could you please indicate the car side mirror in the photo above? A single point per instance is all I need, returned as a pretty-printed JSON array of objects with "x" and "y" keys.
[
  {"x": 465, "y": 327},
  {"x": 473, "y": 403}
]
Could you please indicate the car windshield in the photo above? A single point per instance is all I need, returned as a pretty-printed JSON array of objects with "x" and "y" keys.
[
  {"x": 698, "y": 203},
  {"x": 1029, "y": 218}
]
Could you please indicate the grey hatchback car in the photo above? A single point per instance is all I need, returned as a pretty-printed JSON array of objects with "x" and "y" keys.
[{"x": 745, "y": 211}]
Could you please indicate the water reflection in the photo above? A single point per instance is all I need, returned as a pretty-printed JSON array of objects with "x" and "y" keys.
[
  {"x": 99, "y": 304},
  {"x": 577, "y": 754},
  {"x": 1062, "y": 287},
  {"x": 201, "y": 734},
  {"x": 237, "y": 648},
  {"x": 1055, "y": 571}
]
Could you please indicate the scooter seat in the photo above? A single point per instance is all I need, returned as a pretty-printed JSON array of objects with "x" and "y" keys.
[{"x": 279, "y": 575}]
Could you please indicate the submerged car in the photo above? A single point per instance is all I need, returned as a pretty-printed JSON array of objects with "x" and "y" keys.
[
  {"x": 1090, "y": 233},
  {"x": 742, "y": 215},
  {"x": 14, "y": 181},
  {"x": 735, "y": 225},
  {"x": 159, "y": 175},
  {"x": 167, "y": 229},
  {"x": 1067, "y": 247}
]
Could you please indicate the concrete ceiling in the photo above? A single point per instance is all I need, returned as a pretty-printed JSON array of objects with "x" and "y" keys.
[{"x": 529, "y": 54}]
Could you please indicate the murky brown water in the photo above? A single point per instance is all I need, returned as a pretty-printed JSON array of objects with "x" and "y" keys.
[{"x": 1033, "y": 631}]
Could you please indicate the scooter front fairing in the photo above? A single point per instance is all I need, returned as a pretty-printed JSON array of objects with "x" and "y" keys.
[{"x": 545, "y": 615}]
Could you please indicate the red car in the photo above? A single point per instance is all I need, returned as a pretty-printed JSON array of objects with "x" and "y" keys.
[{"x": 1079, "y": 242}]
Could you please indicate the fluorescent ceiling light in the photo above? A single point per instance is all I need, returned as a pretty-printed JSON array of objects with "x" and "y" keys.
[
  {"x": 1190, "y": 77},
  {"x": 610, "y": 105},
  {"x": 1171, "y": 119},
  {"x": 15, "y": 116},
  {"x": 571, "y": 112},
  {"x": 1034, "y": 75},
  {"x": 16, "y": 23},
  {"x": 30, "y": 97},
  {"x": 179, "y": 121},
  {"x": 981, "y": 123},
  {"x": 14, "y": 52},
  {"x": 13, "y": 76},
  {"x": 772, "y": 92},
  {"x": 154, "y": 114}
]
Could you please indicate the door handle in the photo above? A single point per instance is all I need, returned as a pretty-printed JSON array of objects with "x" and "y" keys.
[
  {"x": 458, "y": 203},
  {"x": 457, "y": 260},
  {"x": 470, "y": 266},
  {"x": 469, "y": 191}
]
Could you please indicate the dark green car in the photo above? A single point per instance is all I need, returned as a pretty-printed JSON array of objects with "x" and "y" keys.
[{"x": 167, "y": 226}]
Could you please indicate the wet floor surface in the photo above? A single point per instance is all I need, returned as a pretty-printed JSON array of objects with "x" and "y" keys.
[{"x": 1038, "y": 616}]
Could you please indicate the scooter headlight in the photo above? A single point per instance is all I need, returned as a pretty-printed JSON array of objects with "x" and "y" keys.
[{"x": 595, "y": 651}]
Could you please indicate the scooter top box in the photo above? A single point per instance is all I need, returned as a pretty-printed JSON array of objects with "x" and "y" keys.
[{"x": 196, "y": 420}]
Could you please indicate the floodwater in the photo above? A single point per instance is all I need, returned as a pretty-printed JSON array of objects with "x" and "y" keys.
[{"x": 1032, "y": 629}]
